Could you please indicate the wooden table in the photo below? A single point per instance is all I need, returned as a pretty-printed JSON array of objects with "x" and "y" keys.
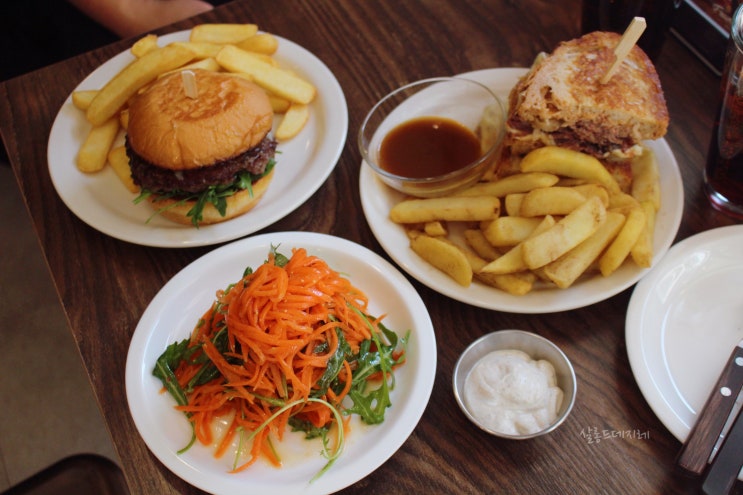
[{"x": 373, "y": 47}]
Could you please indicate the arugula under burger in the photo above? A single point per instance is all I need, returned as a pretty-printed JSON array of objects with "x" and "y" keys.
[{"x": 204, "y": 158}]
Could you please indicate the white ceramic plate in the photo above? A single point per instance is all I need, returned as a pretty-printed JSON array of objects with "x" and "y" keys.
[
  {"x": 177, "y": 307},
  {"x": 377, "y": 199},
  {"x": 303, "y": 163},
  {"x": 683, "y": 322}
]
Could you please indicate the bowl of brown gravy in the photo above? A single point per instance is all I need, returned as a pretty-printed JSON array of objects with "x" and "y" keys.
[{"x": 433, "y": 137}]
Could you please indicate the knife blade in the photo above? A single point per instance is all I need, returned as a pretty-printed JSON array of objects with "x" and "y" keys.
[
  {"x": 727, "y": 462},
  {"x": 709, "y": 429}
]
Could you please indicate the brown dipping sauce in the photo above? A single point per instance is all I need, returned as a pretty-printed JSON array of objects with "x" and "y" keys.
[{"x": 428, "y": 147}]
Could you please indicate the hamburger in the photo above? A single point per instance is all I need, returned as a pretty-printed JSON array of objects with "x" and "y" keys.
[
  {"x": 562, "y": 102},
  {"x": 203, "y": 158}
]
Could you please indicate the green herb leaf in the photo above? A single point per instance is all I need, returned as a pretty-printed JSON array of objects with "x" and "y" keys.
[
  {"x": 208, "y": 371},
  {"x": 279, "y": 259},
  {"x": 375, "y": 356},
  {"x": 214, "y": 195},
  {"x": 165, "y": 370},
  {"x": 334, "y": 365},
  {"x": 310, "y": 431}
]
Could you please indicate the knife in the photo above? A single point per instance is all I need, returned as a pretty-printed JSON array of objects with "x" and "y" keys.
[
  {"x": 707, "y": 434},
  {"x": 728, "y": 460}
]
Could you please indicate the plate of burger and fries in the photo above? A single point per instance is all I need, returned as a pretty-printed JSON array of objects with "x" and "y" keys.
[
  {"x": 489, "y": 261},
  {"x": 89, "y": 166}
]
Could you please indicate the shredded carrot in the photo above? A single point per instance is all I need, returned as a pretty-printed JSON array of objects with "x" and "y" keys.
[{"x": 281, "y": 326}]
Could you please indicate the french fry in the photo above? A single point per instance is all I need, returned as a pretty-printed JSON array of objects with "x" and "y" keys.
[
  {"x": 564, "y": 219},
  {"x": 646, "y": 179},
  {"x": 621, "y": 246},
  {"x": 435, "y": 229},
  {"x": 568, "y": 163},
  {"x": 622, "y": 201},
  {"x": 274, "y": 79},
  {"x": 82, "y": 98},
  {"x": 126, "y": 83},
  {"x": 445, "y": 256},
  {"x": 565, "y": 270},
  {"x": 279, "y": 105},
  {"x": 642, "y": 251},
  {"x": 453, "y": 209},
  {"x": 292, "y": 122},
  {"x": 124, "y": 118},
  {"x": 513, "y": 260},
  {"x": 209, "y": 64},
  {"x": 511, "y": 184},
  {"x": 483, "y": 224},
  {"x": 200, "y": 49},
  {"x": 508, "y": 231},
  {"x": 222, "y": 33},
  {"x": 260, "y": 43},
  {"x": 270, "y": 61},
  {"x": 119, "y": 162},
  {"x": 517, "y": 284},
  {"x": 573, "y": 229},
  {"x": 476, "y": 240},
  {"x": 93, "y": 153},
  {"x": 589, "y": 190},
  {"x": 144, "y": 45},
  {"x": 413, "y": 232},
  {"x": 241, "y": 75},
  {"x": 512, "y": 204},
  {"x": 565, "y": 216},
  {"x": 572, "y": 182},
  {"x": 550, "y": 201}
]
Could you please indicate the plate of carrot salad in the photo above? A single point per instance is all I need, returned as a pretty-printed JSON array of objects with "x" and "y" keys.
[{"x": 267, "y": 363}]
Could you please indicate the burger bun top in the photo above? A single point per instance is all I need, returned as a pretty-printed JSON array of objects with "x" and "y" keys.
[{"x": 171, "y": 130}]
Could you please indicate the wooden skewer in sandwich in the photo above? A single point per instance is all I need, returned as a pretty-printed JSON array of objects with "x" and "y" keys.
[{"x": 629, "y": 38}]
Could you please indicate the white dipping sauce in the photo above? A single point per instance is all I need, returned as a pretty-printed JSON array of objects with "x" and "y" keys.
[{"x": 510, "y": 393}]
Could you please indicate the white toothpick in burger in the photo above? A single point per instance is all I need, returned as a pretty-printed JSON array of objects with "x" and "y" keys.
[{"x": 204, "y": 158}]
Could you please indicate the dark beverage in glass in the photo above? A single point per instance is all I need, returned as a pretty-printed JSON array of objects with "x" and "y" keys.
[{"x": 723, "y": 173}]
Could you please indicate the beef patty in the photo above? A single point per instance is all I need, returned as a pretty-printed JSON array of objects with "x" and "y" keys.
[{"x": 158, "y": 179}]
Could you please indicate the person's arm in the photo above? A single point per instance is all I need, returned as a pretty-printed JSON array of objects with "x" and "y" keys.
[{"x": 129, "y": 18}]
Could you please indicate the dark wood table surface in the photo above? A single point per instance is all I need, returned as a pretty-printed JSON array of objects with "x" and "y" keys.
[{"x": 373, "y": 47}]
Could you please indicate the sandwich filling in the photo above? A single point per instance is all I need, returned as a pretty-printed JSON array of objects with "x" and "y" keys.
[{"x": 255, "y": 161}]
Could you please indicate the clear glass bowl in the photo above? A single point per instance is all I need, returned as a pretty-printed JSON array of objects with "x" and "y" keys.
[{"x": 467, "y": 102}]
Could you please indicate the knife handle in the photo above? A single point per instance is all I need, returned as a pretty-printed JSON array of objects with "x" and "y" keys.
[
  {"x": 697, "y": 449},
  {"x": 727, "y": 463}
]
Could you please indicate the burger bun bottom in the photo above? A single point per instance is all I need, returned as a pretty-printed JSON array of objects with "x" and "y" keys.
[{"x": 237, "y": 204}]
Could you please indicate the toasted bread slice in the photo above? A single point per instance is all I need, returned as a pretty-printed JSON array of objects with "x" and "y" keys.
[{"x": 562, "y": 102}]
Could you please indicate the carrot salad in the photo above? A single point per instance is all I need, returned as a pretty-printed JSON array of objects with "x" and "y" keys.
[{"x": 290, "y": 346}]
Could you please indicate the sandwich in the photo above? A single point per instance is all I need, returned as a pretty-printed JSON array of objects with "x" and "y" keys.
[
  {"x": 562, "y": 102},
  {"x": 204, "y": 157}
]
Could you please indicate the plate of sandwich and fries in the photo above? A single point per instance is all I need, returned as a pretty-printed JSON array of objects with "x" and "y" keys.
[
  {"x": 87, "y": 151},
  {"x": 569, "y": 229}
]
